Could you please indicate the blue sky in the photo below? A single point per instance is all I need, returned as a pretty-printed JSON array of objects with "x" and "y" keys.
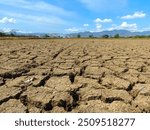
[{"x": 67, "y": 16}]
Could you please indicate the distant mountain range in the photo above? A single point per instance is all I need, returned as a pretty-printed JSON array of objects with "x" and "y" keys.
[{"x": 123, "y": 33}]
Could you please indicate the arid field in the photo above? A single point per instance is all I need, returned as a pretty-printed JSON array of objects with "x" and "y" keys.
[{"x": 74, "y": 75}]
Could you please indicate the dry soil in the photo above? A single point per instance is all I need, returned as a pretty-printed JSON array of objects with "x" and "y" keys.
[{"x": 75, "y": 75}]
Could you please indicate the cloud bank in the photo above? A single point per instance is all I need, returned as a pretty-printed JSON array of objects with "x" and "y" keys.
[
  {"x": 6, "y": 20},
  {"x": 134, "y": 16}
]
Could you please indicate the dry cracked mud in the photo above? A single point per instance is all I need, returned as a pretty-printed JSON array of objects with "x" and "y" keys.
[{"x": 74, "y": 75}]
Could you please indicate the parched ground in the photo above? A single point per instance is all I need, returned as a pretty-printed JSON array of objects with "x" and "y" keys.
[{"x": 75, "y": 75}]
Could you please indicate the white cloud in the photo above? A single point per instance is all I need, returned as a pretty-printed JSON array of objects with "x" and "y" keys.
[
  {"x": 7, "y": 30},
  {"x": 6, "y": 20},
  {"x": 45, "y": 20},
  {"x": 104, "y": 5},
  {"x": 98, "y": 26},
  {"x": 126, "y": 26},
  {"x": 135, "y": 15},
  {"x": 73, "y": 29},
  {"x": 20, "y": 31},
  {"x": 98, "y": 20},
  {"x": 85, "y": 25},
  {"x": 44, "y": 15}
]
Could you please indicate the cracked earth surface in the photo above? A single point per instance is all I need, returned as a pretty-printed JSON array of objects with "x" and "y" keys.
[{"x": 75, "y": 75}]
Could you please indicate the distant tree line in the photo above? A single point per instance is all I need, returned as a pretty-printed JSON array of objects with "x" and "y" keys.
[
  {"x": 2, "y": 34},
  {"x": 140, "y": 36},
  {"x": 14, "y": 34},
  {"x": 106, "y": 36}
]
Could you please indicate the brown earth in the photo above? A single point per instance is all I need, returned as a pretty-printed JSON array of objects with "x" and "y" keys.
[{"x": 75, "y": 75}]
